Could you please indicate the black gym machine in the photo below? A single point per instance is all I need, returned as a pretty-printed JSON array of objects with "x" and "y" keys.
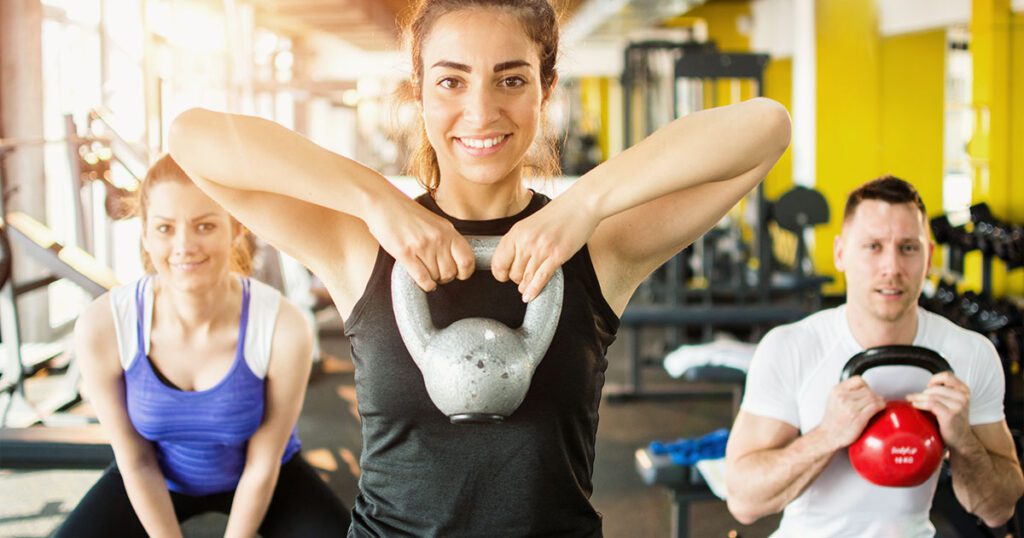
[
  {"x": 1000, "y": 320},
  {"x": 720, "y": 281},
  {"x": 42, "y": 433}
]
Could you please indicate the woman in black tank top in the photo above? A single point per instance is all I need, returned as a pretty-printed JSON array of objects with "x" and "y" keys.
[{"x": 483, "y": 72}]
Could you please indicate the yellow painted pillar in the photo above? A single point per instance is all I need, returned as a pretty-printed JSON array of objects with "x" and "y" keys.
[
  {"x": 990, "y": 147},
  {"x": 604, "y": 138},
  {"x": 848, "y": 112},
  {"x": 612, "y": 117},
  {"x": 1016, "y": 184},
  {"x": 1015, "y": 197},
  {"x": 778, "y": 85},
  {"x": 601, "y": 110}
]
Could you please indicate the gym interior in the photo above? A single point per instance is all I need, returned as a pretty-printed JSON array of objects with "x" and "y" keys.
[{"x": 931, "y": 91}]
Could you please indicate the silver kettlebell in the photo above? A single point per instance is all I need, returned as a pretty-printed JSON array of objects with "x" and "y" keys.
[{"x": 476, "y": 370}]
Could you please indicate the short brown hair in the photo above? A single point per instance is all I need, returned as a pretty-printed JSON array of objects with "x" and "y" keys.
[
  {"x": 889, "y": 189},
  {"x": 165, "y": 169}
]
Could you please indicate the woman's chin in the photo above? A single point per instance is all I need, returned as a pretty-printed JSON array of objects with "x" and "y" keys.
[
  {"x": 193, "y": 279},
  {"x": 487, "y": 175}
]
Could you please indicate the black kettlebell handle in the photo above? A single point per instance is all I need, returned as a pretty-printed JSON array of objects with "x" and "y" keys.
[{"x": 920, "y": 357}]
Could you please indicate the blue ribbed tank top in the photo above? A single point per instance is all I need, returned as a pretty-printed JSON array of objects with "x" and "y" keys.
[{"x": 200, "y": 437}]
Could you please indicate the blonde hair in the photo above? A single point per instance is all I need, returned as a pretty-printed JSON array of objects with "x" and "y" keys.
[{"x": 163, "y": 170}]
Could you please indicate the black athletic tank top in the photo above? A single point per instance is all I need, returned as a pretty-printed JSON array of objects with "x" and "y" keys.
[{"x": 528, "y": 476}]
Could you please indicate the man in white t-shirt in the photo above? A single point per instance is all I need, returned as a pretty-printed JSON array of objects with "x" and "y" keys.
[{"x": 787, "y": 448}]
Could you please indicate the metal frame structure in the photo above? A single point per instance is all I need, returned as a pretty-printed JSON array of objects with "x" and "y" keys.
[
  {"x": 25, "y": 445},
  {"x": 675, "y": 306}
]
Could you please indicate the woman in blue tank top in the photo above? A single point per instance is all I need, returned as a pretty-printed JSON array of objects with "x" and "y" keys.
[
  {"x": 483, "y": 72},
  {"x": 198, "y": 374}
]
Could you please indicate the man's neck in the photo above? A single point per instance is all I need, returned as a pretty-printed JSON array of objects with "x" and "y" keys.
[{"x": 870, "y": 331}]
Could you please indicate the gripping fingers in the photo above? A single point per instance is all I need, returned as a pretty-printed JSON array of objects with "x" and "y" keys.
[
  {"x": 951, "y": 393},
  {"x": 937, "y": 404},
  {"x": 539, "y": 280},
  {"x": 873, "y": 406},
  {"x": 953, "y": 398},
  {"x": 501, "y": 260},
  {"x": 865, "y": 405},
  {"x": 854, "y": 384},
  {"x": 419, "y": 273},
  {"x": 462, "y": 254},
  {"x": 946, "y": 379},
  {"x": 446, "y": 268},
  {"x": 464, "y": 260},
  {"x": 515, "y": 273},
  {"x": 428, "y": 259},
  {"x": 531, "y": 269}
]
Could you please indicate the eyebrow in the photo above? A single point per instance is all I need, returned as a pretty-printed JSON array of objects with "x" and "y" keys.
[
  {"x": 503, "y": 66},
  {"x": 898, "y": 240},
  {"x": 200, "y": 217}
]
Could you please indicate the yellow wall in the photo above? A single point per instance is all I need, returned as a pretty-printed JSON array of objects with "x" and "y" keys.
[
  {"x": 913, "y": 110},
  {"x": 990, "y": 146},
  {"x": 990, "y": 49},
  {"x": 594, "y": 110},
  {"x": 778, "y": 84},
  {"x": 913, "y": 73},
  {"x": 1016, "y": 198},
  {"x": 723, "y": 24},
  {"x": 881, "y": 110},
  {"x": 848, "y": 111},
  {"x": 1015, "y": 211}
]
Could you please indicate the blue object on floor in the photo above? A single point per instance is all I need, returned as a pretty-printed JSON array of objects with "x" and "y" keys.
[{"x": 690, "y": 451}]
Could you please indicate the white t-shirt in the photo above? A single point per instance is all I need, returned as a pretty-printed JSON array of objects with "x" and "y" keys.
[{"x": 793, "y": 370}]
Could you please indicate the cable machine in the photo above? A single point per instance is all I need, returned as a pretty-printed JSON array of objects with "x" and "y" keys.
[{"x": 721, "y": 280}]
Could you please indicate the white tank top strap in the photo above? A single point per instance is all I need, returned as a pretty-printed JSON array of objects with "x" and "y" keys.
[
  {"x": 123, "y": 308},
  {"x": 264, "y": 304}
]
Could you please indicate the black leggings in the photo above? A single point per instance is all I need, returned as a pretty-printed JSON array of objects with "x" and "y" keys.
[{"x": 302, "y": 505}]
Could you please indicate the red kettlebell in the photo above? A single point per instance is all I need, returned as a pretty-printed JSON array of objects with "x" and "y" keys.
[{"x": 901, "y": 445}]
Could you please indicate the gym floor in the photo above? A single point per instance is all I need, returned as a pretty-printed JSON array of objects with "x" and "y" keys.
[{"x": 34, "y": 503}]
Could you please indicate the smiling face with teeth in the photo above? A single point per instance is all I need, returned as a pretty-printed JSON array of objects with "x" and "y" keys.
[
  {"x": 884, "y": 251},
  {"x": 481, "y": 95},
  {"x": 187, "y": 236}
]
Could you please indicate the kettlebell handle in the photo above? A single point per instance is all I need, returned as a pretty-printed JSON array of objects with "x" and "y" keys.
[
  {"x": 412, "y": 314},
  {"x": 874, "y": 357},
  {"x": 483, "y": 249},
  {"x": 410, "y": 302},
  {"x": 477, "y": 369}
]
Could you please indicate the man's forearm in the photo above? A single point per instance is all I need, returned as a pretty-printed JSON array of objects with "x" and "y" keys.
[
  {"x": 986, "y": 484},
  {"x": 764, "y": 482}
]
